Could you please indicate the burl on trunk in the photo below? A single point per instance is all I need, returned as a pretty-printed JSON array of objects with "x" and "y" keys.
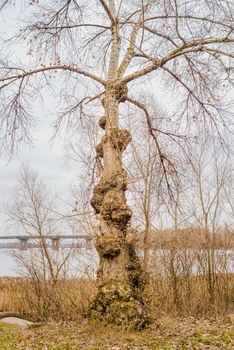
[{"x": 119, "y": 275}]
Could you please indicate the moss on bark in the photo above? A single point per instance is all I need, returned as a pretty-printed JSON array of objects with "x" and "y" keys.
[
  {"x": 134, "y": 268},
  {"x": 115, "y": 303}
]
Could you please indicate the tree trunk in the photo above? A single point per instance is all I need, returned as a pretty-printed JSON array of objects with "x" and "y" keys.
[{"x": 119, "y": 275}]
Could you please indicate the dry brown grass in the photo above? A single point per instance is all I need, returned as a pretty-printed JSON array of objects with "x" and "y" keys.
[
  {"x": 70, "y": 298},
  {"x": 67, "y": 300},
  {"x": 191, "y": 296}
]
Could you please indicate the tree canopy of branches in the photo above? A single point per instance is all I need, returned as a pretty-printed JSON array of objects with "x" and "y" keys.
[{"x": 104, "y": 52}]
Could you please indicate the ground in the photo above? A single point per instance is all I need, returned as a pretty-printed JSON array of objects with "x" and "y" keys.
[{"x": 164, "y": 334}]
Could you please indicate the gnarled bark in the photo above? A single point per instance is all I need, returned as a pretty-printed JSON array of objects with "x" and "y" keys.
[{"x": 119, "y": 275}]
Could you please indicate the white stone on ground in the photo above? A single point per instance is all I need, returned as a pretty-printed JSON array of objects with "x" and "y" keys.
[{"x": 16, "y": 321}]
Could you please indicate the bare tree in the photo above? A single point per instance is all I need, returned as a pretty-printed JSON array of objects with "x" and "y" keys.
[
  {"x": 142, "y": 164},
  {"x": 33, "y": 213},
  {"x": 185, "y": 46},
  {"x": 209, "y": 178}
]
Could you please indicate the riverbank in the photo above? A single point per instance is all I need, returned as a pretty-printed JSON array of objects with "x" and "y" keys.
[
  {"x": 67, "y": 299},
  {"x": 163, "y": 334}
]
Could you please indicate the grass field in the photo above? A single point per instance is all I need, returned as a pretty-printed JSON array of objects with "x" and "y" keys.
[{"x": 164, "y": 334}]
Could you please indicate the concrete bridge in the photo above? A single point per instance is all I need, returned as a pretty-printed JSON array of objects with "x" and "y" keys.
[{"x": 78, "y": 241}]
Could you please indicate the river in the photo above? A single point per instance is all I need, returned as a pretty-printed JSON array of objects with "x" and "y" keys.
[{"x": 85, "y": 261}]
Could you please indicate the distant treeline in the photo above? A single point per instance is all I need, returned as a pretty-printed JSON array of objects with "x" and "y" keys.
[{"x": 191, "y": 238}]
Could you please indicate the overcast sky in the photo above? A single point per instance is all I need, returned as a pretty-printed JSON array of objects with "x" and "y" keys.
[{"x": 48, "y": 160}]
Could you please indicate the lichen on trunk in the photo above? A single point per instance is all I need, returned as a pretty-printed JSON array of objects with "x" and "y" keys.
[{"x": 119, "y": 275}]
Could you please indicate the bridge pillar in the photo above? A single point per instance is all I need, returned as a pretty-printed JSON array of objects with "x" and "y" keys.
[
  {"x": 23, "y": 243},
  {"x": 55, "y": 241}
]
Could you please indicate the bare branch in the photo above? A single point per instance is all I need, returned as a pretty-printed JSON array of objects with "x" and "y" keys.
[
  {"x": 132, "y": 43},
  {"x": 63, "y": 67},
  {"x": 163, "y": 158},
  {"x": 4, "y": 3},
  {"x": 108, "y": 11},
  {"x": 188, "y": 47},
  {"x": 196, "y": 18}
]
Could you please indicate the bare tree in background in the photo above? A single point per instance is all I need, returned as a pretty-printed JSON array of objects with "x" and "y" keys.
[
  {"x": 114, "y": 46},
  {"x": 143, "y": 164},
  {"x": 209, "y": 178},
  {"x": 33, "y": 213}
]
